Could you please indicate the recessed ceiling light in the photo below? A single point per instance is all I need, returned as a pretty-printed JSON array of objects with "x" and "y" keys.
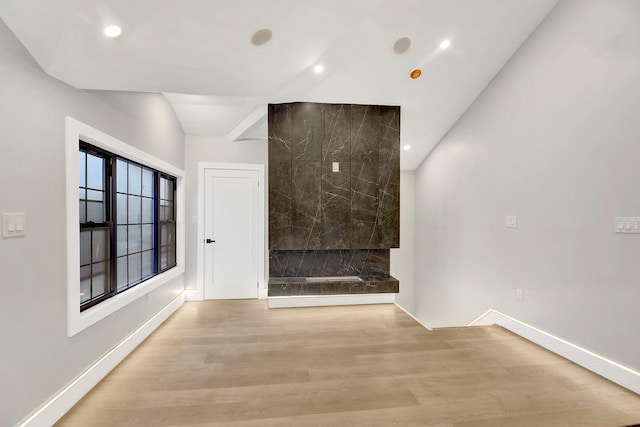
[
  {"x": 112, "y": 31},
  {"x": 261, "y": 37},
  {"x": 402, "y": 45},
  {"x": 445, "y": 44},
  {"x": 406, "y": 147},
  {"x": 416, "y": 73},
  {"x": 318, "y": 68}
]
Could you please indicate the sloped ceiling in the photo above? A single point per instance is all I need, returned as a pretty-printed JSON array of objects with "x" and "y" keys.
[{"x": 199, "y": 54}]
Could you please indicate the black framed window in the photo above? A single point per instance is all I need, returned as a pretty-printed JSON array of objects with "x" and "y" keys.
[
  {"x": 95, "y": 227},
  {"x": 167, "y": 213},
  {"x": 127, "y": 224},
  {"x": 135, "y": 223}
]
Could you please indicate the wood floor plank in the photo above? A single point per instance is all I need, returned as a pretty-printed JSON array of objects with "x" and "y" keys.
[{"x": 237, "y": 363}]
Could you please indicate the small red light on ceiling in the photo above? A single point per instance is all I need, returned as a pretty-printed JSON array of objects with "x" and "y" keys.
[{"x": 415, "y": 73}]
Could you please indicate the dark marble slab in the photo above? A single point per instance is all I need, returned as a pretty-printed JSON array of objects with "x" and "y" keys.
[
  {"x": 388, "y": 217},
  {"x": 280, "y": 198},
  {"x": 364, "y": 138},
  {"x": 306, "y": 218},
  {"x": 336, "y": 132},
  {"x": 336, "y": 206},
  {"x": 279, "y": 122},
  {"x": 355, "y": 208},
  {"x": 318, "y": 263},
  {"x": 306, "y": 132},
  {"x": 364, "y": 204},
  {"x": 377, "y": 262},
  {"x": 388, "y": 124},
  {"x": 369, "y": 284}
]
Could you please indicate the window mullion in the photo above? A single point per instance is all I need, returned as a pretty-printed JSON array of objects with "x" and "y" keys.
[
  {"x": 156, "y": 223},
  {"x": 111, "y": 220}
]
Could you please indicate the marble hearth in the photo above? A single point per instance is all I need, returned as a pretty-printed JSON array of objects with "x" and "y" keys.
[
  {"x": 365, "y": 284},
  {"x": 330, "y": 272}
]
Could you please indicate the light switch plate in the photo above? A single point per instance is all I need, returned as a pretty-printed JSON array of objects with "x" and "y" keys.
[
  {"x": 627, "y": 224},
  {"x": 336, "y": 166},
  {"x": 14, "y": 224},
  {"x": 511, "y": 221}
]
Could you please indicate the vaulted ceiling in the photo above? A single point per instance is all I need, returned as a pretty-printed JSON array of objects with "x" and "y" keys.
[{"x": 200, "y": 55}]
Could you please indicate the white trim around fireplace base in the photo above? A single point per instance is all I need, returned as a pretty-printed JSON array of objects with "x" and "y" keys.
[{"x": 328, "y": 300}]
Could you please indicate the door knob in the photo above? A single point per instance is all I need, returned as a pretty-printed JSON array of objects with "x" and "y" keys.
[{"x": 209, "y": 241}]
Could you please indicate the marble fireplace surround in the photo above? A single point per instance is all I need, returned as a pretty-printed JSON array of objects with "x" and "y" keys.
[
  {"x": 334, "y": 198},
  {"x": 330, "y": 272}
]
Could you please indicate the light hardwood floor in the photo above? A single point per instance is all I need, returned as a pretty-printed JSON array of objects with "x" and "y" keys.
[{"x": 237, "y": 363}]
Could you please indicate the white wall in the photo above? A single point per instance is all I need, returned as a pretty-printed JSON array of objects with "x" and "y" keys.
[
  {"x": 161, "y": 126},
  {"x": 212, "y": 149},
  {"x": 555, "y": 140},
  {"x": 402, "y": 258},
  {"x": 37, "y": 358}
]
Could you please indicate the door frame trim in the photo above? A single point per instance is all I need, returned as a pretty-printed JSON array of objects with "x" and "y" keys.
[{"x": 198, "y": 293}]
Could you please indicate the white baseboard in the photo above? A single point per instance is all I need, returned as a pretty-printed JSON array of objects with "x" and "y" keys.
[
  {"x": 602, "y": 366},
  {"x": 328, "y": 300},
  {"x": 197, "y": 294},
  {"x": 193, "y": 295},
  {"x": 58, "y": 405},
  {"x": 413, "y": 317}
]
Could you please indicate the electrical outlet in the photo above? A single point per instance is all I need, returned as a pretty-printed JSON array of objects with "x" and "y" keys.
[{"x": 519, "y": 293}]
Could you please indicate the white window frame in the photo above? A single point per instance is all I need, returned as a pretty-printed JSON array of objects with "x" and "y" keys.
[{"x": 76, "y": 320}]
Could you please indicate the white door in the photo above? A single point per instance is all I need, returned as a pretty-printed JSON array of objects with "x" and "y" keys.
[{"x": 230, "y": 226}]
